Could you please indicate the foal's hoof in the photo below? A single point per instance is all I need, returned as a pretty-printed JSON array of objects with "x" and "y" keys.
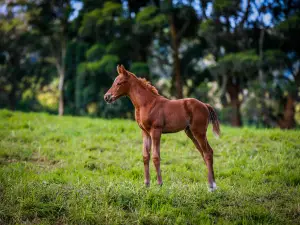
[
  {"x": 212, "y": 187},
  {"x": 147, "y": 185},
  {"x": 160, "y": 184}
]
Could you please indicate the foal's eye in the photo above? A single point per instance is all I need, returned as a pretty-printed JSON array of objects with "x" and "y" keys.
[{"x": 119, "y": 83}]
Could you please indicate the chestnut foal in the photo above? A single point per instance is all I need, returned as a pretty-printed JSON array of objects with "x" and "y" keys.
[{"x": 156, "y": 115}]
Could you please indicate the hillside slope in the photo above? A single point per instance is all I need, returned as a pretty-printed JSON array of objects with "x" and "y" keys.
[{"x": 69, "y": 170}]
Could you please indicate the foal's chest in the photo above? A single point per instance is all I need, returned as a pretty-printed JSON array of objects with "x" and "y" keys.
[{"x": 143, "y": 121}]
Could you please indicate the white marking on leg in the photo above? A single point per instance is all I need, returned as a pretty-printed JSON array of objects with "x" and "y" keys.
[{"x": 213, "y": 187}]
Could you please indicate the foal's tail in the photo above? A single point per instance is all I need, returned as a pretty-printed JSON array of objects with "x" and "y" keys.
[{"x": 213, "y": 118}]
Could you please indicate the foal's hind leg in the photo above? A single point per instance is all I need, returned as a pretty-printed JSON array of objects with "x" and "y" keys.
[
  {"x": 206, "y": 151},
  {"x": 191, "y": 136}
]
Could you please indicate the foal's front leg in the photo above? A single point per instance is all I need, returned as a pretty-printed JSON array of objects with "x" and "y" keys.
[
  {"x": 146, "y": 156},
  {"x": 155, "y": 136}
]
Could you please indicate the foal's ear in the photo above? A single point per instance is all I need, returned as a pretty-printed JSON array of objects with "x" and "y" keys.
[
  {"x": 121, "y": 69},
  {"x": 118, "y": 69}
]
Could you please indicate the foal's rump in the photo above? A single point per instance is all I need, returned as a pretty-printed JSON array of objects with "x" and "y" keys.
[
  {"x": 201, "y": 114},
  {"x": 189, "y": 112}
]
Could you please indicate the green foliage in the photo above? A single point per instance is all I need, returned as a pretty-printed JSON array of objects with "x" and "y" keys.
[
  {"x": 91, "y": 77},
  {"x": 291, "y": 23},
  {"x": 15, "y": 64},
  {"x": 146, "y": 14},
  {"x": 99, "y": 19},
  {"x": 274, "y": 58},
  {"x": 226, "y": 6},
  {"x": 231, "y": 45},
  {"x": 108, "y": 12},
  {"x": 111, "y": 8},
  {"x": 89, "y": 171},
  {"x": 89, "y": 22},
  {"x": 207, "y": 25},
  {"x": 116, "y": 47},
  {"x": 241, "y": 57},
  {"x": 140, "y": 68},
  {"x": 80, "y": 82},
  {"x": 108, "y": 63},
  {"x": 95, "y": 52},
  {"x": 150, "y": 16},
  {"x": 243, "y": 63}
]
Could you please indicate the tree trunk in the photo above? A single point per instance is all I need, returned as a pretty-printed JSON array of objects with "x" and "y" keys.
[
  {"x": 61, "y": 94},
  {"x": 233, "y": 90},
  {"x": 176, "y": 60},
  {"x": 288, "y": 120},
  {"x": 236, "y": 120},
  {"x": 60, "y": 65}
]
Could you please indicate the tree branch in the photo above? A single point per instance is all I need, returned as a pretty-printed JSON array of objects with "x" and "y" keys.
[
  {"x": 224, "y": 84},
  {"x": 202, "y": 5},
  {"x": 245, "y": 15}
]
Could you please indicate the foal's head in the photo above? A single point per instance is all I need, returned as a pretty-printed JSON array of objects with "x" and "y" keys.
[{"x": 120, "y": 86}]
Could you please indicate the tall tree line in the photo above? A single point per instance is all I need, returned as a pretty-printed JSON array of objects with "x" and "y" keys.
[{"x": 242, "y": 56}]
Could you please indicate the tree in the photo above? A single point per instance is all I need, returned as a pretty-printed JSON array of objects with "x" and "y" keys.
[
  {"x": 230, "y": 43},
  {"x": 14, "y": 47},
  {"x": 289, "y": 28},
  {"x": 183, "y": 22},
  {"x": 50, "y": 19},
  {"x": 114, "y": 36}
]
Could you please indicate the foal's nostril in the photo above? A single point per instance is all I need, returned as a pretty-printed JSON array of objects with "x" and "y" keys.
[{"x": 107, "y": 97}]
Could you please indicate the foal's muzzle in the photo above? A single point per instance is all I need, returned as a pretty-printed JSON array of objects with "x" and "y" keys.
[{"x": 108, "y": 98}]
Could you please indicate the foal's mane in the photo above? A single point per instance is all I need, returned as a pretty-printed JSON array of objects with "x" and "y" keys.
[{"x": 145, "y": 83}]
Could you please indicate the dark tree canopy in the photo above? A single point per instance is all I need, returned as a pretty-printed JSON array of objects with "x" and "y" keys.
[{"x": 243, "y": 57}]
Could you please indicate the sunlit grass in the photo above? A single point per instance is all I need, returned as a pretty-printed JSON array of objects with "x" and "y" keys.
[{"x": 72, "y": 170}]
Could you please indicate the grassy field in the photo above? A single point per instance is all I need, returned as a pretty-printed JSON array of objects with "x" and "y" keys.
[{"x": 89, "y": 171}]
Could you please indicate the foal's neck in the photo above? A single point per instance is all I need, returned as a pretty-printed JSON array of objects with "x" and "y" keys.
[{"x": 140, "y": 96}]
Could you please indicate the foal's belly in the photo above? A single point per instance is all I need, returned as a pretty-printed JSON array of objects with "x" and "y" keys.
[
  {"x": 175, "y": 124},
  {"x": 175, "y": 117}
]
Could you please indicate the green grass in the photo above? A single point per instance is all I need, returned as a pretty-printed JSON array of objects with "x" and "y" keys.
[{"x": 72, "y": 170}]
